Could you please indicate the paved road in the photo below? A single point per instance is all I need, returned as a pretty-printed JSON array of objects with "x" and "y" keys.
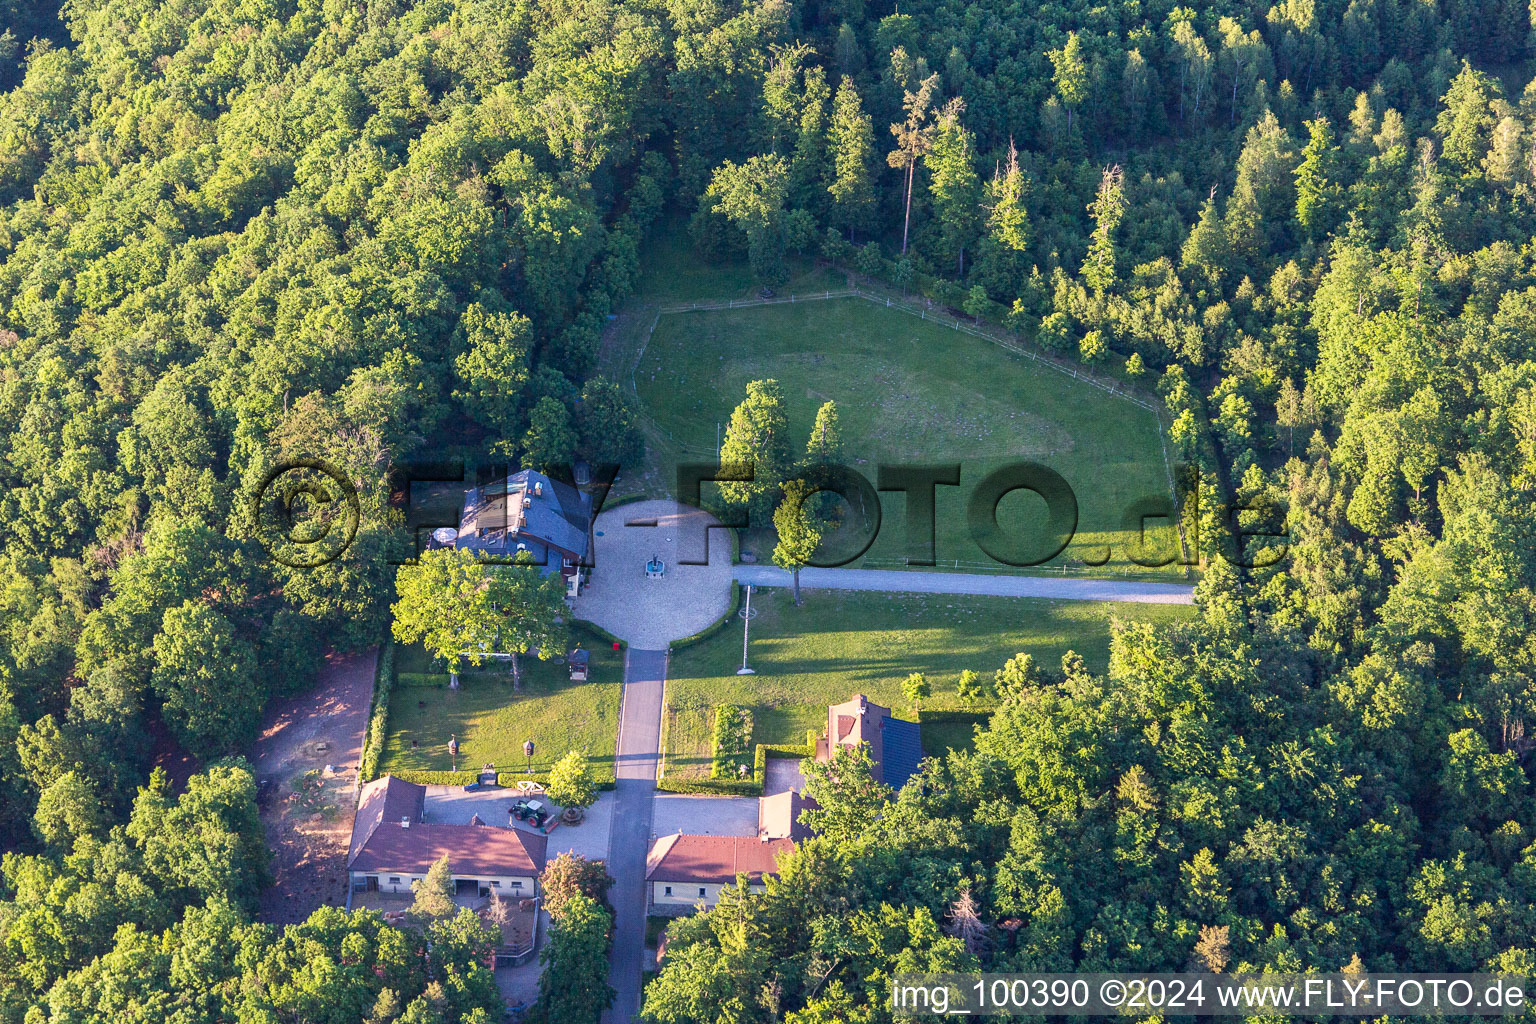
[
  {"x": 901, "y": 581},
  {"x": 645, "y": 673}
]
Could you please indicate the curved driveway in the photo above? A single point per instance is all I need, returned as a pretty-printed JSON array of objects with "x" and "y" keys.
[{"x": 905, "y": 581}]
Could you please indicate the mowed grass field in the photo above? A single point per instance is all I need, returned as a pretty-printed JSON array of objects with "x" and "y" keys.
[
  {"x": 839, "y": 643},
  {"x": 491, "y": 720},
  {"x": 913, "y": 391}
]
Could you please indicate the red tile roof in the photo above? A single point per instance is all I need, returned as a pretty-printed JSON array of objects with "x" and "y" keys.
[
  {"x": 689, "y": 858},
  {"x": 470, "y": 849},
  {"x": 385, "y": 799},
  {"x": 381, "y": 843}
]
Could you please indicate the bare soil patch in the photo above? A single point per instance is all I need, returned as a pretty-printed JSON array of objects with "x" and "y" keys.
[{"x": 307, "y": 811}]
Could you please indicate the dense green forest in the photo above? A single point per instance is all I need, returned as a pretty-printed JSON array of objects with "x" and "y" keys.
[{"x": 236, "y": 232}]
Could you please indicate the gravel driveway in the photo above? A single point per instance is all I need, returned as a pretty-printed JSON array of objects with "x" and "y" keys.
[{"x": 648, "y": 614}]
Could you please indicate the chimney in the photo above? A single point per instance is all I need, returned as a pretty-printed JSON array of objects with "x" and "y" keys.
[
  {"x": 405, "y": 822},
  {"x": 538, "y": 488}
]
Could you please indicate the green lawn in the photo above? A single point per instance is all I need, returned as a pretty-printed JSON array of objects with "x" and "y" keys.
[
  {"x": 912, "y": 391},
  {"x": 491, "y": 721},
  {"x": 839, "y": 643}
]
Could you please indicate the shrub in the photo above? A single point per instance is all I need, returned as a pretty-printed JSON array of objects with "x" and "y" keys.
[
  {"x": 732, "y": 744},
  {"x": 915, "y": 688},
  {"x": 720, "y": 787}
]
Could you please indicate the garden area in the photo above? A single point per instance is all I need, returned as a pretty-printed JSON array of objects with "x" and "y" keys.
[
  {"x": 914, "y": 391},
  {"x": 491, "y": 720},
  {"x": 839, "y": 643}
]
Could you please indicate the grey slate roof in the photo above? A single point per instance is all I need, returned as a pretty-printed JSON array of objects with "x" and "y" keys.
[
  {"x": 557, "y": 516},
  {"x": 903, "y": 751}
]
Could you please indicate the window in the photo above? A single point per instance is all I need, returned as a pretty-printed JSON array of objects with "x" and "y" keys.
[
  {"x": 515, "y": 885},
  {"x": 394, "y": 881},
  {"x": 567, "y": 562},
  {"x": 497, "y": 885},
  {"x": 701, "y": 890},
  {"x": 669, "y": 890}
]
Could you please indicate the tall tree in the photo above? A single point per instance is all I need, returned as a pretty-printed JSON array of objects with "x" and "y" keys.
[
  {"x": 1317, "y": 188},
  {"x": 534, "y": 615},
  {"x": 757, "y": 437},
  {"x": 1108, "y": 207},
  {"x": 795, "y": 524},
  {"x": 492, "y": 368},
  {"x": 463, "y": 609},
  {"x": 1069, "y": 75},
  {"x": 1195, "y": 63},
  {"x": 953, "y": 183},
  {"x": 434, "y": 892},
  {"x": 574, "y": 983},
  {"x": 571, "y": 874},
  {"x": 1467, "y": 120},
  {"x": 1007, "y": 218},
  {"x": 914, "y": 137},
  {"x": 570, "y": 781},
  {"x": 206, "y": 675},
  {"x": 848, "y": 795},
  {"x": 852, "y": 142},
  {"x": 808, "y": 166},
  {"x": 1207, "y": 248},
  {"x": 751, "y": 195},
  {"x": 447, "y": 603}
]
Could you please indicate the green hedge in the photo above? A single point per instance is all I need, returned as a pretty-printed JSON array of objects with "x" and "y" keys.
[
  {"x": 732, "y": 742},
  {"x": 601, "y": 633},
  {"x": 750, "y": 786},
  {"x": 957, "y": 712},
  {"x": 714, "y": 627},
  {"x": 438, "y": 679},
  {"x": 719, "y": 787},
  {"x": 506, "y": 780},
  {"x": 378, "y": 718}
]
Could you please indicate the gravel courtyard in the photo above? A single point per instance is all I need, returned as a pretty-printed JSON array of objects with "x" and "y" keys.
[{"x": 647, "y": 613}]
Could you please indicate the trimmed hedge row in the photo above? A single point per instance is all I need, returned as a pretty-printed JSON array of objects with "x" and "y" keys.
[
  {"x": 717, "y": 787},
  {"x": 600, "y": 633},
  {"x": 506, "y": 780},
  {"x": 957, "y": 712},
  {"x": 378, "y": 717},
  {"x": 714, "y": 627},
  {"x": 750, "y": 786}
]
